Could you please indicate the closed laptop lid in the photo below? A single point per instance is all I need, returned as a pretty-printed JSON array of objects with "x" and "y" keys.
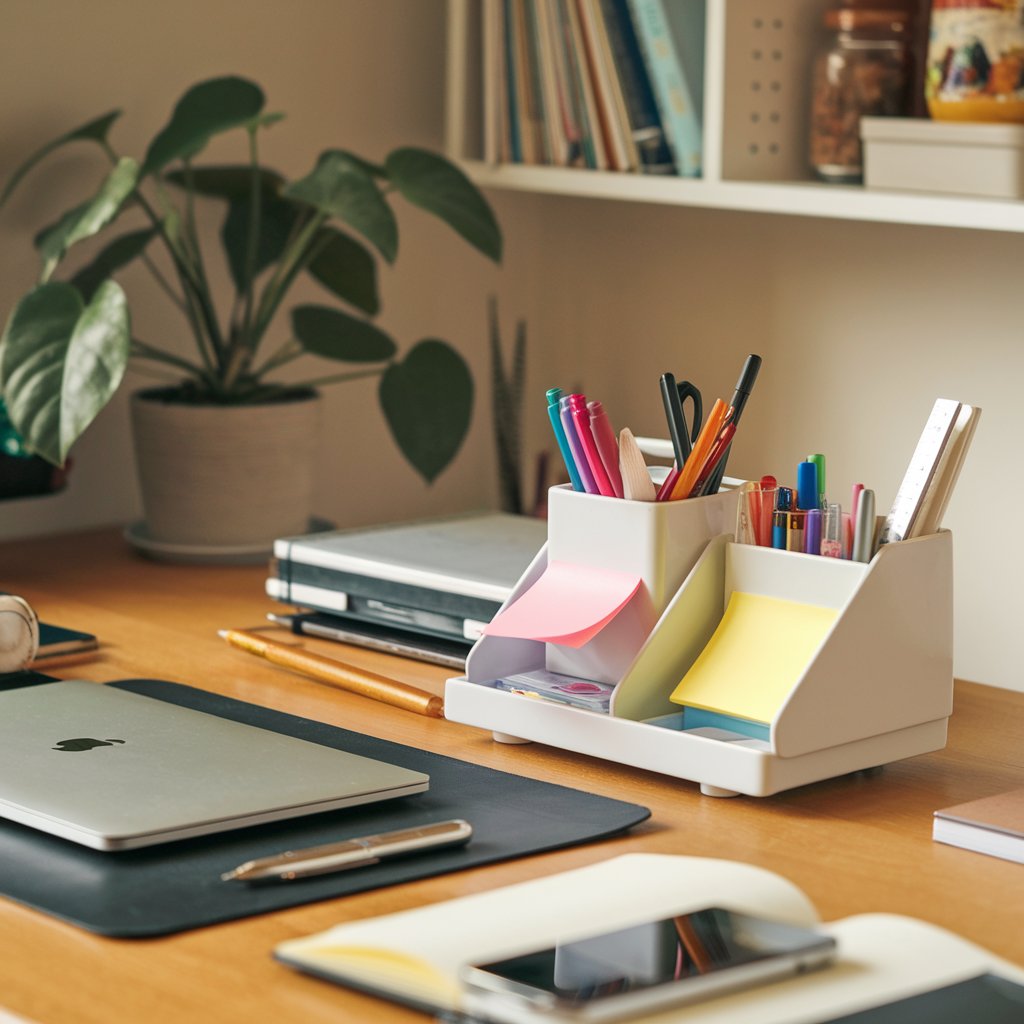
[{"x": 113, "y": 769}]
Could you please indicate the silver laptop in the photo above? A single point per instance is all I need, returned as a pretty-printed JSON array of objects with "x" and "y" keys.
[{"x": 115, "y": 770}]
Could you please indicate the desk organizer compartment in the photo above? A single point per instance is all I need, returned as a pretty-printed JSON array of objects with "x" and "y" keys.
[{"x": 877, "y": 688}]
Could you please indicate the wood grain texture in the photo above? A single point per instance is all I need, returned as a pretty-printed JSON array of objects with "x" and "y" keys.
[{"x": 855, "y": 844}]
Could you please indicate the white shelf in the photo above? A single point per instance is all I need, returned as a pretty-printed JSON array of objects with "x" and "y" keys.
[
  {"x": 807, "y": 199},
  {"x": 754, "y": 160}
]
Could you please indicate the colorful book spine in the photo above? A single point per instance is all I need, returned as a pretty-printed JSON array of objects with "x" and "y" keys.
[
  {"x": 641, "y": 108},
  {"x": 680, "y": 117},
  {"x": 512, "y": 87}
]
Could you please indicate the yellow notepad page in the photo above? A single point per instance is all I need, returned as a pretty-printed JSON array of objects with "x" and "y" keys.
[{"x": 759, "y": 650}]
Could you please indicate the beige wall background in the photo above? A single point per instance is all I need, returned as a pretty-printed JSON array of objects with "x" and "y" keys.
[{"x": 861, "y": 326}]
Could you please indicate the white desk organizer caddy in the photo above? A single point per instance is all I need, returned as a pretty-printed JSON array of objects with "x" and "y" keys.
[{"x": 878, "y": 688}]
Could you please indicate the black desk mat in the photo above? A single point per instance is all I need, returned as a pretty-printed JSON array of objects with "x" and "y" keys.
[{"x": 177, "y": 886}]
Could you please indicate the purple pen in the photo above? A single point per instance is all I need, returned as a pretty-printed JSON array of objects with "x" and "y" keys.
[
  {"x": 812, "y": 532},
  {"x": 579, "y": 456}
]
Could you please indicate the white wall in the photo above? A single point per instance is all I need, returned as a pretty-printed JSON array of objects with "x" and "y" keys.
[{"x": 861, "y": 326}]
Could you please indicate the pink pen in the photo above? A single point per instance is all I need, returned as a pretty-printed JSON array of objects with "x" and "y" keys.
[
  {"x": 581, "y": 420},
  {"x": 607, "y": 446},
  {"x": 848, "y": 524}
]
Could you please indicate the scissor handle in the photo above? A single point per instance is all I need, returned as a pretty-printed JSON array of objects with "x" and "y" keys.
[{"x": 687, "y": 390}]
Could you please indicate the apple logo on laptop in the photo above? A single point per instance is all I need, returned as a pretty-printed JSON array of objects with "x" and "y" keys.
[{"x": 83, "y": 743}]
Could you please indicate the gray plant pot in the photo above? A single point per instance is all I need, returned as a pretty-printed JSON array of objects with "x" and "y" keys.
[{"x": 224, "y": 475}]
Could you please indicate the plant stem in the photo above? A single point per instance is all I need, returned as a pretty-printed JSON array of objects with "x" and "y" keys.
[
  {"x": 253, "y": 241},
  {"x": 164, "y": 283},
  {"x": 290, "y": 350},
  {"x": 203, "y": 285},
  {"x": 295, "y": 258},
  {"x": 145, "y": 351}
]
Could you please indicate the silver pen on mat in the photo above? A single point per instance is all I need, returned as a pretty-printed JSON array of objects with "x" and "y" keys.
[{"x": 351, "y": 853}]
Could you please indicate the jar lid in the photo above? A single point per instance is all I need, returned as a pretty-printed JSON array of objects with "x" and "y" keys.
[{"x": 850, "y": 19}]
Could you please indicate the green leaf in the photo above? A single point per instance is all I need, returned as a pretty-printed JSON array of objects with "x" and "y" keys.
[
  {"x": 225, "y": 181},
  {"x": 61, "y": 362},
  {"x": 336, "y": 335},
  {"x": 344, "y": 266},
  {"x": 90, "y": 217},
  {"x": 95, "y": 131},
  {"x": 110, "y": 260},
  {"x": 432, "y": 182},
  {"x": 428, "y": 400},
  {"x": 206, "y": 109},
  {"x": 341, "y": 186}
]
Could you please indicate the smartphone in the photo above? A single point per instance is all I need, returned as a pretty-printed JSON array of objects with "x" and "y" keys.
[{"x": 646, "y": 967}]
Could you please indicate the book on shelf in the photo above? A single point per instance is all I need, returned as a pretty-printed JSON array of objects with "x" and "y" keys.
[
  {"x": 641, "y": 109},
  {"x": 671, "y": 34},
  {"x": 594, "y": 149},
  {"x": 568, "y": 83},
  {"x": 992, "y": 825},
  {"x": 415, "y": 956},
  {"x": 611, "y": 106}
]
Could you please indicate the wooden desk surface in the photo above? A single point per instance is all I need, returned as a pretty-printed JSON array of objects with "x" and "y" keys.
[{"x": 855, "y": 844}]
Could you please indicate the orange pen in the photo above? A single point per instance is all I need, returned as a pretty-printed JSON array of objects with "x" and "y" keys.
[{"x": 701, "y": 450}]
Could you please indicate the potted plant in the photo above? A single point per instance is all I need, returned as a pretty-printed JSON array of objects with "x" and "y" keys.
[{"x": 220, "y": 417}]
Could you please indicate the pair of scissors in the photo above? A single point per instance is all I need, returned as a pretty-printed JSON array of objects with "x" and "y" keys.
[{"x": 675, "y": 395}]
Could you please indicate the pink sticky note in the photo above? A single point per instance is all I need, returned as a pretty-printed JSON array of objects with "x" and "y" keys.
[{"x": 568, "y": 605}]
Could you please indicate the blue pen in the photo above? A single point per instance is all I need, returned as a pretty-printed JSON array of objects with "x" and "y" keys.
[
  {"x": 807, "y": 496},
  {"x": 780, "y": 518},
  {"x": 578, "y": 454},
  {"x": 553, "y": 396}
]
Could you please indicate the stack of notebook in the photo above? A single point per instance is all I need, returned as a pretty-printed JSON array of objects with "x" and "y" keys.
[{"x": 423, "y": 589}]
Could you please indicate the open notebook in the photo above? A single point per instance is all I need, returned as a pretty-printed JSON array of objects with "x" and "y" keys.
[{"x": 414, "y": 956}]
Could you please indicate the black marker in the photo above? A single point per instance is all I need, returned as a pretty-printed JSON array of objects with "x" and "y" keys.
[{"x": 739, "y": 399}]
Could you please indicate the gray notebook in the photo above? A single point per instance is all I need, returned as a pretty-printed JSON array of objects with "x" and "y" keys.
[{"x": 115, "y": 770}]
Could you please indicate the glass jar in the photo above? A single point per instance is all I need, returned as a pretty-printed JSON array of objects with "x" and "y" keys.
[
  {"x": 976, "y": 60},
  {"x": 864, "y": 69}
]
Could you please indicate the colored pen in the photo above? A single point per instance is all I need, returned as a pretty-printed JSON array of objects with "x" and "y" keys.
[
  {"x": 674, "y": 415},
  {"x": 852, "y": 519},
  {"x": 795, "y": 530},
  {"x": 337, "y": 673},
  {"x": 711, "y": 462},
  {"x": 807, "y": 486},
  {"x": 607, "y": 447},
  {"x": 764, "y": 506},
  {"x": 705, "y": 442},
  {"x": 812, "y": 532},
  {"x": 819, "y": 461},
  {"x": 832, "y": 531},
  {"x": 780, "y": 517},
  {"x": 864, "y": 530},
  {"x": 351, "y": 853},
  {"x": 553, "y": 395},
  {"x": 578, "y": 455},
  {"x": 738, "y": 403},
  {"x": 581, "y": 419},
  {"x": 665, "y": 490}
]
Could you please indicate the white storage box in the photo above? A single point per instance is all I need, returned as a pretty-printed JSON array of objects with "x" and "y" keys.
[
  {"x": 961, "y": 158},
  {"x": 878, "y": 688}
]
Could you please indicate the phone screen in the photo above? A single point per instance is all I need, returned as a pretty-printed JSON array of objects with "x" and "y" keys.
[{"x": 658, "y": 953}]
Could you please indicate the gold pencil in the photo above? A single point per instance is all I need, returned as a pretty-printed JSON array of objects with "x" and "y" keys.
[{"x": 337, "y": 673}]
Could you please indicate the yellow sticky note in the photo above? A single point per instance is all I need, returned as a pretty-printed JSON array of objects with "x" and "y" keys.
[{"x": 760, "y": 649}]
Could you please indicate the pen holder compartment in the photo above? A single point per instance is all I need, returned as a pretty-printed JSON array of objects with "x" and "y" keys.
[{"x": 596, "y": 541}]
